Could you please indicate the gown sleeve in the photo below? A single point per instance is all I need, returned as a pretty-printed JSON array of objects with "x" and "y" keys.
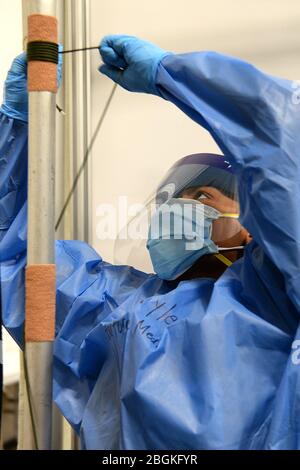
[{"x": 254, "y": 118}]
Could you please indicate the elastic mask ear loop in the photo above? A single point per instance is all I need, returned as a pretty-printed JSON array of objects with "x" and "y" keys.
[
  {"x": 219, "y": 256},
  {"x": 223, "y": 259}
]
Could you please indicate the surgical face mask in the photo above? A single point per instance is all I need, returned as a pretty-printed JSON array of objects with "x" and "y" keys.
[{"x": 179, "y": 234}]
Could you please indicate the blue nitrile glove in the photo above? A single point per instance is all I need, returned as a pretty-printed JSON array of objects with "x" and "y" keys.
[
  {"x": 15, "y": 101},
  {"x": 131, "y": 62}
]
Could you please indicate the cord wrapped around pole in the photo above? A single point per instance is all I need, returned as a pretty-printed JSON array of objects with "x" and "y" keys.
[{"x": 40, "y": 272}]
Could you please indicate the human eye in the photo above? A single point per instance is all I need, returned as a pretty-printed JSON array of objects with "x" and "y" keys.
[{"x": 201, "y": 195}]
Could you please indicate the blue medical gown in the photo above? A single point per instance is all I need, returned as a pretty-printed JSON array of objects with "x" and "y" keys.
[{"x": 141, "y": 363}]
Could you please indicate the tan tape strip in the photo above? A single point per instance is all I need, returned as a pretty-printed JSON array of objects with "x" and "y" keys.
[
  {"x": 42, "y": 76},
  {"x": 40, "y": 303},
  {"x": 42, "y": 28}
]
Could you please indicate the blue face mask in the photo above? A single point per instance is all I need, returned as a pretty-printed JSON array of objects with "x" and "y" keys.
[{"x": 179, "y": 234}]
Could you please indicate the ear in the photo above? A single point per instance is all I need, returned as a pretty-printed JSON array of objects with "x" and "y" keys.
[{"x": 248, "y": 238}]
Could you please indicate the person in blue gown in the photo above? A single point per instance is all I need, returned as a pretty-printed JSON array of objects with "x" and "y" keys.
[{"x": 224, "y": 372}]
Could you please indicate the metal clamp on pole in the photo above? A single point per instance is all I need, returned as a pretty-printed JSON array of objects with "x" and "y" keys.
[{"x": 35, "y": 422}]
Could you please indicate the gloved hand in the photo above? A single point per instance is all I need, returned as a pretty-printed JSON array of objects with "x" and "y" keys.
[
  {"x": 15, "y": 104},
  {"x": 131, "y": 62}
]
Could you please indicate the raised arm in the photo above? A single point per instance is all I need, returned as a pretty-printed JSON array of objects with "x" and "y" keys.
[{"x": 253, "y": 118}]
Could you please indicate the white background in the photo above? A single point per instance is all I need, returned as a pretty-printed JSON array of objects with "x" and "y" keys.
[{"x": 10, "y": 35}]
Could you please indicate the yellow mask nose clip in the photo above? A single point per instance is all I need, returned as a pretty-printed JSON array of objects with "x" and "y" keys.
[{"x": 230, "y": 215}]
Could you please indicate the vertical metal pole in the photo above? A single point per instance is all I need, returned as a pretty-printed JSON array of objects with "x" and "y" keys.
[
  {"x": 68, "y": 221},
  {"x": 22, "y": 389},
  {"x": 77, "y": 133},
  {"x": 60, "y": 181},
  {"x": 88, "y": 122},
  {"x": 40, "y": 250},
  {"x": 81, "y": 114}
]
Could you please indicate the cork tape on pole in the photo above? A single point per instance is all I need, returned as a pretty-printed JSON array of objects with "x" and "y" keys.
[
  {"x": 40, "y": 303},
  {"x": 42, "y": 51}
]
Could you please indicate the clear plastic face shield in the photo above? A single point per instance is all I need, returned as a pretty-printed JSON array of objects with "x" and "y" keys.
[{"x": 197, "y": 198}]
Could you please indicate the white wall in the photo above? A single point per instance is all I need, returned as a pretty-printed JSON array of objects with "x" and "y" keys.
[
  {"x": 10, "y": 35},
  {"x": 143, "y": 135}
]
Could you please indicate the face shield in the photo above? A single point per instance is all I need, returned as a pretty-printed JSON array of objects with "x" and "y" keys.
[{"x": 197, "y": 184}]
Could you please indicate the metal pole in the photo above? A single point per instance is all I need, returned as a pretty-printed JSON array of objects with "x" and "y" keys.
[
  {"x": 81, "y": 125},
  {"x": 77, "y": 133},
  {"x": 41, "y": 203},
  {"x": 68, "y": 222},
  {"x": 22, "y": 389}
]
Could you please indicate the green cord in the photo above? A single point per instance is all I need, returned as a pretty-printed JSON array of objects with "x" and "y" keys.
[{"x": 42, "y": 51}]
